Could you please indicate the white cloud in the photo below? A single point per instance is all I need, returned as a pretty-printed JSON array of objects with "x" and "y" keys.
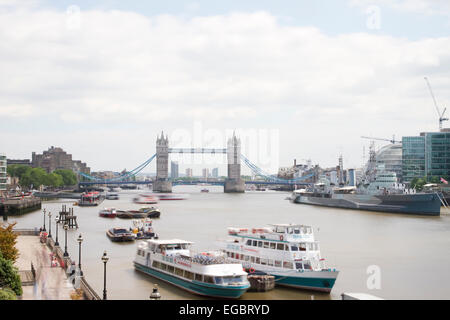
[
  {"x": 226, "y": 70},
  {"x": 439, "y": 7}
]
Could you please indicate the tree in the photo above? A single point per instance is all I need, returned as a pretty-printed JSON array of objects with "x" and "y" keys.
[
  {"x": 9, "y": 276},
  {"x": 52, "y": 180},
  {"x": 8, "y": 240},
  {"x": 68, "y": 176}
]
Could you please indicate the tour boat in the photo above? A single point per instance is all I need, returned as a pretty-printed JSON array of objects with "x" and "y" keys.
[
  {"x": 206, "y": 274},
  {"x": 145, "y": 199},
  {"x": 90, "y": 199},
  {"x": 286, "y": 251},
  {"x": 143, "y": 229},
  {"x": 108, "y": 213},
  {"x": 120, "y": 235}
]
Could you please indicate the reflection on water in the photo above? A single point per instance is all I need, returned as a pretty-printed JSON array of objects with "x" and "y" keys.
[{"x": 413, "y": 252}]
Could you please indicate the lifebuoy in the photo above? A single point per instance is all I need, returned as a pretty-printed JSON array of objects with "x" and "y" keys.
[
  {"x": 251, "y": 270},
  {"x": 281, "y": 238}
]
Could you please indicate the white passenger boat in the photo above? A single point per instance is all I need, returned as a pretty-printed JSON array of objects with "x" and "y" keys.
[
  {"x": 207, "y": 274},
  {"x": 286, "y": 251}
]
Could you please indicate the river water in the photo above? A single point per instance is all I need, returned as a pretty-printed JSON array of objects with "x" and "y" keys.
[{"x": 411, "y": 253}]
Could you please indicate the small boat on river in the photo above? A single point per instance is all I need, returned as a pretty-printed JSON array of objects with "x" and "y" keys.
[
  {"x": 120, "y": 235},
  {"x": 108, "y": 213},
  {"x": 145, "y": 199},
  {"x": 171, "y": 196},
  {"x": 143, "y": 229},
  {"x": 144, "y": 212}
]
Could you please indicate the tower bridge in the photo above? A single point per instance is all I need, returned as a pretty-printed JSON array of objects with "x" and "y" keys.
[{"x": 233, "y": 182}]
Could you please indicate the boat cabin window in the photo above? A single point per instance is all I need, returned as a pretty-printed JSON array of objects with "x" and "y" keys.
[
  {"x": 280, "y": 229},
  {"x": 260, "y": 244},
  {"x": 272, "y": 245},
  {"x": 257, "y": 260},
  {"x": 280, "y": 246},
  {"x": 266, "y": 244},
  {"x": 249, "y": 242},
  {"x": 255, "y": 243},
  {"x": 278, "y": 263},
  {"x": 298, "y": 265},
  {"x": 286, "y": 247},
  {"x": 306, "y": 266},
  {"x": 294, "y": 247},
  {"x": 188, "y": 275},
  {"x": 287, "y": 265},
  {"x": 296, "y": 230},
  {"x": 208, "y": 279},
  {"x": 198, "y": 277},
  {"x": 302, "y": 246},
  {"x": 232, "y": 279}
]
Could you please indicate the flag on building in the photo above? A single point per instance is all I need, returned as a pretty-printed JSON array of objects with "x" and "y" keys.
[{"x": 444, "y": 181}]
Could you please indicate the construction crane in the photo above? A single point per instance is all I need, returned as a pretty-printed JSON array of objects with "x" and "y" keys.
[
  {"x": 382, "y": 139},
  {"x": 441, "y": 115}
]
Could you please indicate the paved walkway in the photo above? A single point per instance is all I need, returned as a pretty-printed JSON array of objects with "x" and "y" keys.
[{"x": 51, "y": 282}]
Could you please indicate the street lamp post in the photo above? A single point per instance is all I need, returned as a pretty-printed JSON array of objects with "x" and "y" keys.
[
  {"x": 80, "y": 240},
  {"x": 44, "y": 221},
  {"x": 105, "y": 260},
  {"x": 66, "y": 254},
  {"x": 56, "y": 225},
  {"x": 49, "y": 224}
]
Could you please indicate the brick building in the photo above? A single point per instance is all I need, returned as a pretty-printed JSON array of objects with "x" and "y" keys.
[{"x": 56, "y": 158}]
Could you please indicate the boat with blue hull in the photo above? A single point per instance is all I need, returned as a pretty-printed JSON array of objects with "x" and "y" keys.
[
  {"x": 288, "y": 252},
  {"x": 206, "y": 274}
]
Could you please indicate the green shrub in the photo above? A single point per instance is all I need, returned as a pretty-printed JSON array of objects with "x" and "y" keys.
[
  {"x": 7, "y": 294},
  {"x": 9, "y": 276}
]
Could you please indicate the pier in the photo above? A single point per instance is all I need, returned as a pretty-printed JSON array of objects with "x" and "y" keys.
[{"x": 19, "y": 205}]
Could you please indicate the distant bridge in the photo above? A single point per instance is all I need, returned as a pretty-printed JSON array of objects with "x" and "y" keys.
[{"x": 162, "y": 183}]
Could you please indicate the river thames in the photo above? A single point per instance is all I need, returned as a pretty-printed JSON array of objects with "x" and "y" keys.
[{"x": 412, "y": 252}]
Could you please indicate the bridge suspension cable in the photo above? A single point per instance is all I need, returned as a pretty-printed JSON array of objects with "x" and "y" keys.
[
  {"x": 258, "y": 171},
  {"x": 121, "y": 177}
]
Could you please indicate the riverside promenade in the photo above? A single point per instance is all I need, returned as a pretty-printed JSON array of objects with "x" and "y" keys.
[
  {"x": 51, "y": 282},
  {"x": 55, "y": 282}
]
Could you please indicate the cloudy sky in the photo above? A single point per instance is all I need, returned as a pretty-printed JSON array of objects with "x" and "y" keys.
[{"x": 295, "y": 79}]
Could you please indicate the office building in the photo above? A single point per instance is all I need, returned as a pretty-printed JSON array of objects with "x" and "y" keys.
[
  {"x": 215, "y": 173},
  {"x": 205, "y": 173},
  {"x": 189, "y": 172},
  {"x": 427, "y": 155},
  {"x": 3, "y": 173},
  {"x": 174, "y": 170}
]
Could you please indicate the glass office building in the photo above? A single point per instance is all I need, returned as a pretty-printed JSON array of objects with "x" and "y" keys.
[{"x": 427, "y": 155}]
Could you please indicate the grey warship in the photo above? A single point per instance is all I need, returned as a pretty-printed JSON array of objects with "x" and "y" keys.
[{"x": 383, "y": 194}]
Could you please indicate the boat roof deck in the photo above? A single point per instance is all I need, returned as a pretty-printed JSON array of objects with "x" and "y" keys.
[{"x": 170, "y": 241}]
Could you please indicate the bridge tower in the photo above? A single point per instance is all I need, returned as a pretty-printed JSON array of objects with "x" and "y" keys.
[
  {"x": 162, "y": 183},
  {"x": 234, "y": 183}
]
